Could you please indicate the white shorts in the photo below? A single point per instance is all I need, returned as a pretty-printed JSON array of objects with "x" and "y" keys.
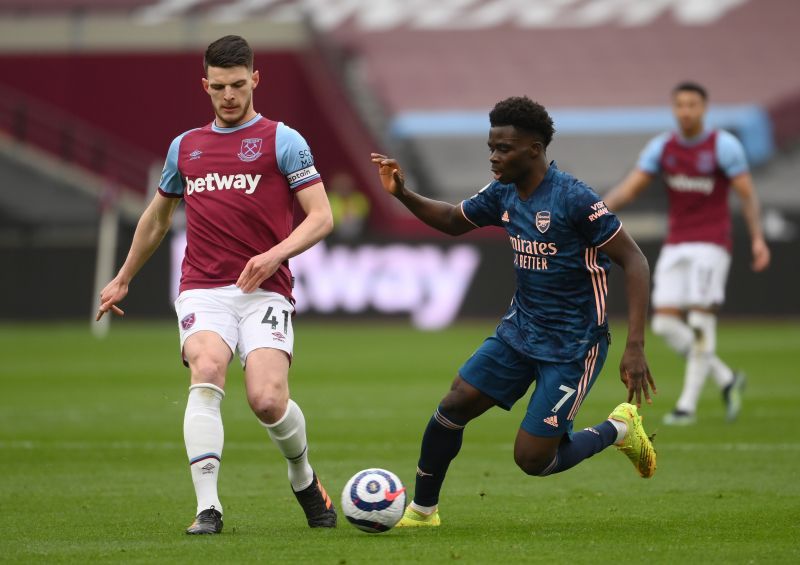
[
  {"x": 244, "y": 321},
  {"x": 690, "y": 274}
]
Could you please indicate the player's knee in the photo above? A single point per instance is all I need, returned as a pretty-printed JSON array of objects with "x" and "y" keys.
[
  {"x": 660, "y": 325},
  {"x": 533, "y": 463},
  {"x": 674, "y": 331},
  {"x": 464, "y": 402},
  {"x": 704, "y": 325},
  {"x": 267, "y": 406},
  {"x": 208, "y": 370}
]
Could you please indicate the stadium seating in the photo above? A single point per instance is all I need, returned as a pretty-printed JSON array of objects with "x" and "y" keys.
[{"x": 582, "y": 60}]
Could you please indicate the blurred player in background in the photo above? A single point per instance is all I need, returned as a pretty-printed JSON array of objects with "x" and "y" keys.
[
  {"x": 699, "y": 166},
  {"x": 555, "y": 332},
  {"x": 239, "y": 177}
]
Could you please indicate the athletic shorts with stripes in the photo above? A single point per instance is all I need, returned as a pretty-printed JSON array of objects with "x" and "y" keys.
[{"x": 505, "y": 375}]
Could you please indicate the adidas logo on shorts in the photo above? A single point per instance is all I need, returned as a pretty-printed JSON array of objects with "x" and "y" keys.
[{"x": 551, "y": 420}]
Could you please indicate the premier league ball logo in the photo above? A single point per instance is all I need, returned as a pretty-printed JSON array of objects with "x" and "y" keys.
[{"x": 251, "y": 149}]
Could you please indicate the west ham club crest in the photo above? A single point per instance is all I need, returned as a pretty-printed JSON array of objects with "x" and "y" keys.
[
  {"x": 188, "y": 321},
  {"x": 251, "y": 149},
  {"x": 705, "y": 162},
  {"x": 543, "y": 220}
]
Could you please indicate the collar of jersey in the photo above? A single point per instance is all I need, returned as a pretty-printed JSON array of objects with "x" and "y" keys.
[
  {"x": 247, "y": 124},
  {"x": 692, "y": 141}
]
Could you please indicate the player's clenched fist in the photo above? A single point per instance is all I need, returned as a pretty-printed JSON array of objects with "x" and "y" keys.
[{"x": 391, "y": 174}]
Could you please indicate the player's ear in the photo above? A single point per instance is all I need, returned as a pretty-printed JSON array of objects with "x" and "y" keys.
[
  {"x": 255, "y": 78},
  {"x": 205, "y": 83}
]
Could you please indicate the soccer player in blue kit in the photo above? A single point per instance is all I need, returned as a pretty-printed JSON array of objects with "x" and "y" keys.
[{"x": 555, "y": 332}]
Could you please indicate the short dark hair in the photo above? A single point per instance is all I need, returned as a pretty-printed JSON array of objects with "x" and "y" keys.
[
  {"x": 689, "y": 86},
  {"x": 525, "y": 114},
  {"x": 229, "y": 51}
]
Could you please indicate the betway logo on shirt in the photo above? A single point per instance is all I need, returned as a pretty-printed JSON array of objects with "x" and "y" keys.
[
  {"x": 216, "y": 181},
  {"x": 684, "y": 183}
]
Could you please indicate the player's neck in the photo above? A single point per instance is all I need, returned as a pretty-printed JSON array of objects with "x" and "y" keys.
[
  {"x": 693, "y": 132},
  {"x": 527, "y": 186}
]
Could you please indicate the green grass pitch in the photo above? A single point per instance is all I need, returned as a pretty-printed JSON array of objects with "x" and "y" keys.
[{"x": 94, "y": 468}]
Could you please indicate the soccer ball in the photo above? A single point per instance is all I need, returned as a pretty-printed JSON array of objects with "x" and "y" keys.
[{"x": 373, "y": 500}]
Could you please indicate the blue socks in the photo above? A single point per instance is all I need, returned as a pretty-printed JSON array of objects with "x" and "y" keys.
[
  {"x": 441, "y": 443},
  {"x": 442, "y": 440},
  {"x": 582, "y": 445}
]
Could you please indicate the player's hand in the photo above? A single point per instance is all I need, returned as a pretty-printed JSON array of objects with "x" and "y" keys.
[
  {"x": 257, "y": 270},
  {"x": 761, "y": 255},
  {"x": 635, "y": 375},
  {"x": 114, "y": 292},
  {"x": 391, "y": 175}
]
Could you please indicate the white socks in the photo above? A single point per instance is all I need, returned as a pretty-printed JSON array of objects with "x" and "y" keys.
[
  {"x": 698, "y": 362},
  {"x": 680, "y": 337},
  {"x": 426, "y": 510},
  {"x": 204, "y": 436},
  {"x": 622, "y": 430},
  {"x": 289, "y": 434},
  {"x": 674, "y": 331}
]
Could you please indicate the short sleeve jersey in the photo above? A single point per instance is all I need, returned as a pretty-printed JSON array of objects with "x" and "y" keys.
[
  {"x": 559, "y": 308},
  {"x": 239, "y": 186},
  {"x": 697, "y": 174}
]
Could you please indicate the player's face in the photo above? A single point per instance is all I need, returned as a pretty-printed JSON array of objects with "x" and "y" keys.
[
  {"x": 689, "y": 108},
  {"x": 231, "y": 92},
  {"x": 512, "y": 153}
]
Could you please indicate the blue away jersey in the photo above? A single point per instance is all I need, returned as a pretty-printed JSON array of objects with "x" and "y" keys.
[{"x": 559, "y": 307}]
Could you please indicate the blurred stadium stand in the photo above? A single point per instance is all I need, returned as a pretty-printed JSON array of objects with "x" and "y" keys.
[
  {"x": 92, "y": 92},
  {"x": 605, "y": 70}
]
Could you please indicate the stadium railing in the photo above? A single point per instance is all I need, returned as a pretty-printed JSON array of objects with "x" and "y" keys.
[{"x": 74, "y": 142}]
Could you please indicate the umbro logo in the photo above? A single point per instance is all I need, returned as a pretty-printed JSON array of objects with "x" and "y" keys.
[
  {"x": 504, "y": 217},
  {"x": 195, "y": 154},
  {"x": 208, "y": 468},
  {"x": 278, "y": 336},
  {"x": 551, "y": 420}
]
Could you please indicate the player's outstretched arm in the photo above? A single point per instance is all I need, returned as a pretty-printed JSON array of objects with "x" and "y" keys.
[
  {"x": 151, "y": 229},
  {"x": 633, "y": 369},
  {"x": 751, "y": 210},
  {"x": 442, "y": 216},
  {"x": 627, "y": 191}
]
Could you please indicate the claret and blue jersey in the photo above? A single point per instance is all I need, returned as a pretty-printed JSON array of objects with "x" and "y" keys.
[
  {"x": 238, "y": 185},
  {"x": 559, "y": 308},
  {"x": 697, "y": 173}
]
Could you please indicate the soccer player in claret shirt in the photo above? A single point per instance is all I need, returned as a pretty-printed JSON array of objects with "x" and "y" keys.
[
  {"x": 239, "y": 177},
  {"x": 555, "y": 332},
  {"x": 698, "y": 166}
]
